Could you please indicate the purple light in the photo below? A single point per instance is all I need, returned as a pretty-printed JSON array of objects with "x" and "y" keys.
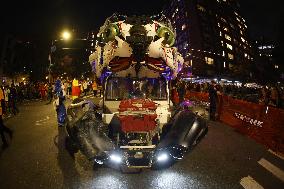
[
  {"x": 179, "y": 67},
  {"x": 187, "y": 104},
  {"x": 93, "y": 65},
  {"x": 105, "y": 74},
  {"x": 168, "y": 74}
]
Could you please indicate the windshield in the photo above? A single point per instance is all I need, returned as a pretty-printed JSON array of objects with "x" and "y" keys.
[{"x": 126, "y": 88}]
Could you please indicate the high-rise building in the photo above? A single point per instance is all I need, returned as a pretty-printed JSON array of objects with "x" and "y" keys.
[
  {"x": 211, "y": 35},
  {"x": 267, "y": 68}
]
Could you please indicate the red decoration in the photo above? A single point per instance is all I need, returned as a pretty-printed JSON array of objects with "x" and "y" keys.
[{"x": 137, "y": 115}]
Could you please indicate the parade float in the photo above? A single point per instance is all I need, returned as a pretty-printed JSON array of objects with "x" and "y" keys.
[{"x": 135, "y": 125}]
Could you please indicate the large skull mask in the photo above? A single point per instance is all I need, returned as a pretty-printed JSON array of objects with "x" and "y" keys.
[{"x": 136, "y": 46}]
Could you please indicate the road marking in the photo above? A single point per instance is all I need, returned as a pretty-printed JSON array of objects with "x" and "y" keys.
[
  {"x": 42, "y": 121},
  {"x": 272, "y": 168},
  {"x": 281, "y": 156},
  {"x": 249, "y": 183}
]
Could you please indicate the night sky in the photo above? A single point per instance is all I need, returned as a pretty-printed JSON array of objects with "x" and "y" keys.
[
  {"x": 263, "y": 17},
  {"x": 45, "y": 19}
]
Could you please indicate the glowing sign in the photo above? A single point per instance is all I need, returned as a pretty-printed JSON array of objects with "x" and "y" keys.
[{"x": 248, "y": 119}]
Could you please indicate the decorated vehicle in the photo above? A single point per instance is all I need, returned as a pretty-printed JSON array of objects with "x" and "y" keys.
[{"x": 137, "y": 127}]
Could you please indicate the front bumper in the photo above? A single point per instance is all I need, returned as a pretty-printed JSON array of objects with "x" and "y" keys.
[{"x": 142, "y": 156}]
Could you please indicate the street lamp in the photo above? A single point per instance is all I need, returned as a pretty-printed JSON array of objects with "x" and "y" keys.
[{"x": 66, "y": 35}]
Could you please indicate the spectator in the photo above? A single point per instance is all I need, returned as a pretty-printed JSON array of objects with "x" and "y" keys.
[
  {"x": 50, "y": 93},
  {"x": 95, "y": 88},
  {"x": 5, "y": 107},
  {"x": 213, "y": 100},
  {"x": 12, "y": 99},
  {"x": 69, "y": 88},
  {"x": 181, "y": 91},
  {"x": 274, "y": 99},
  {"x": 3, "y": 128}
]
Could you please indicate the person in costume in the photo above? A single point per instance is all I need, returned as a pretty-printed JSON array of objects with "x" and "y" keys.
[
  {"x": 75, "y": 89},
  {"x": 59, "y": 103}
]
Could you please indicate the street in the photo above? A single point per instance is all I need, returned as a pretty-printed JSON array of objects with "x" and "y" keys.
[{"x": 37, "y": 158}]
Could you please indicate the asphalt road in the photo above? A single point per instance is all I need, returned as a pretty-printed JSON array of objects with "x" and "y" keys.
[{"x": 37, "y": 158}]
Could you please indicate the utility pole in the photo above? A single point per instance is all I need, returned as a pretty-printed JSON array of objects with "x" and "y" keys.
[{"x": 52, "y": 50}]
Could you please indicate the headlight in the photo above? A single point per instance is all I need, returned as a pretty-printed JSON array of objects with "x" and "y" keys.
[
  {"x": 162, "y": 157},
  {"x": 115, "y": 158}
]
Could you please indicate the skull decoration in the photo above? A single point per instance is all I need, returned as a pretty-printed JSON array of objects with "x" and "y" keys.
[{"x": 137, "y": 46}]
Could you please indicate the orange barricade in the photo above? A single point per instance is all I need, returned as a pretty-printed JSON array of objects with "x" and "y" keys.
[
  {"x": 190, "y": 95},
  {"x": 265, "y": 124}
]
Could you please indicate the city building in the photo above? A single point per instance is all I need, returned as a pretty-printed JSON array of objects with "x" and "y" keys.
[
  {"x": 267, "y": 68},
  {"x": 91, "y": 38},
  {"x": 18, "y": 57},
  {"x": 212, "y": 36}
]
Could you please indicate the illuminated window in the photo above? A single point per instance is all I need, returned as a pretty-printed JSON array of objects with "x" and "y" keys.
[
  {"x": 201, "y": 8},
  {"x": 222, "y": 43},
  {"x": 219, "y": 24},
  {"x": 224, "y": 64},
  {"x": 230, "y": 56},
  {"x": 183, "y": 27},
  {"x": 276, "y": 66},
  {"x": 223, "y": 19},
  {"x": 266, "y": 47},
  {"x": 238, "y": 19},
  {"x": 220, "y": 34},
  {"x": 241, "y": 32},
  {"x": 228, "y": 37},
  {"x": 246, "y": 55},
  {"x": 209, "y": 60},
  {"x": 243, "y": 40},
  {"x": 223, "y": 53},
  {"x": 176, "y": 10},
  {"x": 92, "y": 44},
  {"x": 226, "y": 29},
  {"x": 229, "y": 46}
]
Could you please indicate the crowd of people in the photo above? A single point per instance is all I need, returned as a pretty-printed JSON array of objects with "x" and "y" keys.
[
  {"x": 14, "y": 94},
  {"x": 268, "y": 95},
  {"x": 40, "y": 90}
]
